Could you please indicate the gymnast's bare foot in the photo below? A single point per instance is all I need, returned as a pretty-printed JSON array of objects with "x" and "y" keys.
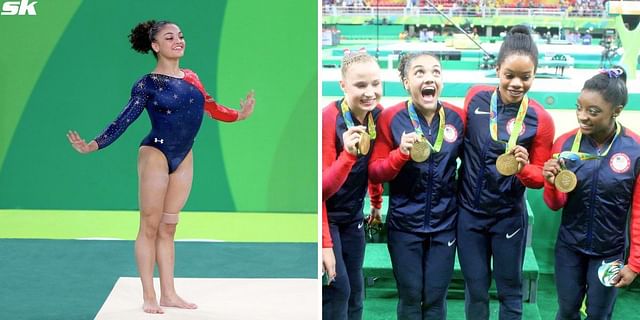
[
  {"x": 176, "y": 302},
  {"x": 151, "y": 306}
]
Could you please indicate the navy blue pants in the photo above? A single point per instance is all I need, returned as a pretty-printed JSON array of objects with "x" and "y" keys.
[
  {"x": 481, "y": 238},
  {"x": 577, "y": 275},
  {"x": 343, "y": 298},
  {"x": 422, "y": 266}
]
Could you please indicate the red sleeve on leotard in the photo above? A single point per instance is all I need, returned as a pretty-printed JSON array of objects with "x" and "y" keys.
[{"x": 211, "y": 107}]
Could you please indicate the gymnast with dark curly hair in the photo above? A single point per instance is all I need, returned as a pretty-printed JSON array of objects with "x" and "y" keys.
[{"x": 176, "y": 102}]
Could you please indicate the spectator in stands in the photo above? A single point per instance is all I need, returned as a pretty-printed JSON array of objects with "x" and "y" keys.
[
  {"x": 348, "y": 131},
  {"x": 423, "y": 35},
  {"x": 599, "y": 198},
  {"x": 419, "y": 143},
  {"x": 508, "y": 138},
  {"x": 587, "y": 38}
]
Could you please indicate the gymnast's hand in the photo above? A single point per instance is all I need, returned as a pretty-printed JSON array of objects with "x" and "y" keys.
[
  {"x": 625, "y": 277},
  {"x": 522, "y": 156},
  {"x": 351, "y": 137},
  {"x": 375, "y": 218},
  {"x": 406, "y": 142},
  {"x": 329, "y": 263},
  {"x": 550, "y": 169},
  {"x": 79, "y": 144},
  {"x": 247, "y": 106}
]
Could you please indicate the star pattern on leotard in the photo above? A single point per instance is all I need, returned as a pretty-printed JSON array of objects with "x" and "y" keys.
[{"x": 170, "y": 103}]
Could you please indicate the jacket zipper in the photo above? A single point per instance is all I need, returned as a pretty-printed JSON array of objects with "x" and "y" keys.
[
  {"x": 427, "y": 214},
  {"x": 592, "y": 201}
]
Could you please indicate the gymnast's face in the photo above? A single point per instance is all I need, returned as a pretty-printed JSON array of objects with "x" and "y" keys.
[
  {"x": 516, "y": 74},
  {"x": 169, "y": 42},
  {"x": 423, "y": 80},
  {"x": 362, "y": 86},
  {"x": 596, "y": 116}
]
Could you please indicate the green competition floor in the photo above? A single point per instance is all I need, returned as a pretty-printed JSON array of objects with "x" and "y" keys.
[
  {"x": 70, "y": 279},
  {"x": 217, "y": 226},
  {"x": 381, "y": 299},
  {"x": 52, "y": 265}
]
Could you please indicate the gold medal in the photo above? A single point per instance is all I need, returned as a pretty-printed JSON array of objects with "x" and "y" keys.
[
  {"x": 507, "y": 164},
  {"x": 420, "y": 151},
  {"x": 364, "y": 144},
  {"x": 566, "y": 181}
]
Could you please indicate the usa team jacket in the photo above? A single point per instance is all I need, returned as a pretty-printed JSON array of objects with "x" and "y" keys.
[
  {"x": 422, "y": 196},
  {"x": 344, "y": 176},
  {"x": 594, "y": 214},
  {"x": 327, "y": 242},
  {"x": 483, "y": 190}
]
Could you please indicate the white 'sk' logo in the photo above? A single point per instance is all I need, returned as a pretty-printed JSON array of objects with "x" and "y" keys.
[{"x": 19, "y": 8}]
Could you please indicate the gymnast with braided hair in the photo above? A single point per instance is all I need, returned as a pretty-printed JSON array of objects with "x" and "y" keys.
[{"x": 176, "y": 102}]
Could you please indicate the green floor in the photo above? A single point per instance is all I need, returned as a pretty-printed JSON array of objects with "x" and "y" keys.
[
  {"x": 70, "y": 279},
  {"x": 381, "y": 299}
]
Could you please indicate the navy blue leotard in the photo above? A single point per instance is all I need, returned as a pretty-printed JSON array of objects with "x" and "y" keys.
[{"x": 175, "y": 107}]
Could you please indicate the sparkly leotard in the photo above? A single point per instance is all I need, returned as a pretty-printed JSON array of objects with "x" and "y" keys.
[{"x": 175, "y": 107}]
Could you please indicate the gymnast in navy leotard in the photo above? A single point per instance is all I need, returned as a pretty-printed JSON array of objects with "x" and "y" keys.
[
  {"x": 175, "y": 106},
  {"x": 175, "y": 101}
]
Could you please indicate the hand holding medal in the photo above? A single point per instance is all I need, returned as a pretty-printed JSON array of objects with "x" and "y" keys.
[
  {"x": 510, "y": 163},
  {"x": 515, "y": 156},
  {"x": 565, "y": 181},
  {"x": 357, "y": 139},
  {"x": 625, "y": 277},
  {"x": 416, "y": 146},
  {"x": 507, "y": 165},
  {"x": 364, "y": 144},
  {"x": 406, "y": 142},
  {"x": 556, "y": 173},
  {"x": 550, "y": 169},
  {"x": 608, "y": 272},
  {"x": 353, "y": 140},
  {"x": 421, "y": 148}
]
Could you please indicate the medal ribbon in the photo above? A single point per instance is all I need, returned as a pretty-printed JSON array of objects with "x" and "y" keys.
[
  {"x": 575, "y": 153},
  {"x": 517, "y": 126},
  {"x": 348, "y": 120},
  {"x": 416, "y": 125}
]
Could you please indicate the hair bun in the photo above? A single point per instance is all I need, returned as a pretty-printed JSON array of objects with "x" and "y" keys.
[
  {"x": 139, "y": 37},
  {"x": 520, "y": 29},
  {"x": 616, "y": 72}
]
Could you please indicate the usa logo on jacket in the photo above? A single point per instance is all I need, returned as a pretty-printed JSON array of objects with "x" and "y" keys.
[
  {"x": 620, "y": 162},
  {"x": 450, "y": 133},
  {"x": 510, "y": 127}
]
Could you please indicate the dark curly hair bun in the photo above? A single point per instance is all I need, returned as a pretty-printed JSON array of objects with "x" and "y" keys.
[{"x": 139, "y": 37}]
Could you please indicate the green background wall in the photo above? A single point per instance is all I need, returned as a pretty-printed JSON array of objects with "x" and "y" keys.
[{"x": 70, "y": 67}]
